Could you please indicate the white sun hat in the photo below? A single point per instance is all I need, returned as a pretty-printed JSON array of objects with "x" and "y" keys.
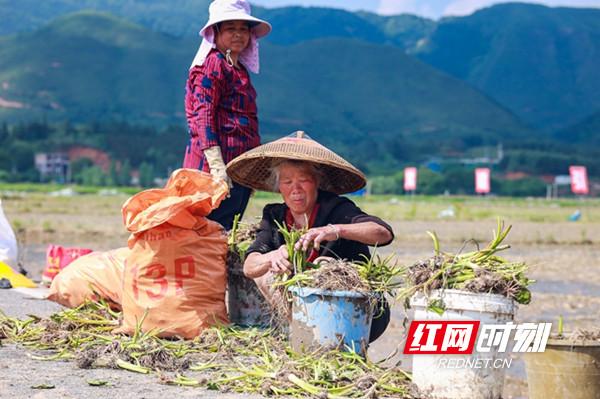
[{"x": 232, "y": 10}]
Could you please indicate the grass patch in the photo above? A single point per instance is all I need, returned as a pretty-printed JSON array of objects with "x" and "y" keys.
[{"x": 49, "y": 188}]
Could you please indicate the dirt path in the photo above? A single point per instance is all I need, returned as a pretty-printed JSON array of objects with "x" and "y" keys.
[{"x": 564, "y": 259}]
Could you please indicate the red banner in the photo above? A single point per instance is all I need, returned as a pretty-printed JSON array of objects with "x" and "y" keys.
[
  {"x": 579, "y": 180},
  {"x": 410, "y": 178},
  {"x": 482, "y": 180}
]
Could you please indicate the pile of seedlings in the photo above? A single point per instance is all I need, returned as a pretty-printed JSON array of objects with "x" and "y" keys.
[
  {"x": 224, "y": 359},
  {"x": 480, "y": 271},
  {"x": 579, "y": 334}
]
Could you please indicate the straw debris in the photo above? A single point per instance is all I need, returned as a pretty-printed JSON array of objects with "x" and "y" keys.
[
  {"x": 583, "y": 335},
  {"x": 225, "y": 359},
  {"x": 337, "y": 275}
]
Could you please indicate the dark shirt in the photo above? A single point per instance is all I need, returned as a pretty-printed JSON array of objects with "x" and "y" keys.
[{"x": 333, "y": 209}]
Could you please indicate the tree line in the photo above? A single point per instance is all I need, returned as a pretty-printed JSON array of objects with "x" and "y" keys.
[
  {"x": 155, "y": 152},
  {"x": 152, "y": 152}
]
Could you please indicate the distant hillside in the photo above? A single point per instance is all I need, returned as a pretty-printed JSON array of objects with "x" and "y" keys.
[
  {"x": 541, "y": 63},
  {"x": 176, "y": 17},
  {"x": 536, "y": 61},
  {"x": 91, "y": 66},
  {"x": 405, "y": 30},
  {"x": 360, "y": 106},
  {"x": 186, "y": 17},
  {"x": 586, "y": 131},
  {"x": 297, "y": 24}
]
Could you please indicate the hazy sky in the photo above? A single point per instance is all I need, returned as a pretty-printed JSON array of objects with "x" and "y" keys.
[{"x": 427, "y": 8}]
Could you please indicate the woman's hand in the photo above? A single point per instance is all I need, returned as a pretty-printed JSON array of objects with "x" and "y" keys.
[
  {"x": 258, "y": 265},
  {"x": 280, "y": 262},
  {"x": 316, "y": 235}
]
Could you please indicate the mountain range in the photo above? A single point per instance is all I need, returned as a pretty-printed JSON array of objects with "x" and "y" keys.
[{"x": 391, "y": 88}]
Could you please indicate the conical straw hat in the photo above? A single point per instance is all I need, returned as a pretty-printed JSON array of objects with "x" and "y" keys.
[{"x": 253, "y": 168}]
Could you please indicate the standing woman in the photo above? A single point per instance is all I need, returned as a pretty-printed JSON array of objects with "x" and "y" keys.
[{"x": 220, "y": 101}]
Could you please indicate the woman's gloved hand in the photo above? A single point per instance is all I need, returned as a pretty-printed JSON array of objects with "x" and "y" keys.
[{"x": 217, "y": 166}]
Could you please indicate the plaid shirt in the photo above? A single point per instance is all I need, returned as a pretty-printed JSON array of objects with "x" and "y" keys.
[{"x": 220, "y": 106}]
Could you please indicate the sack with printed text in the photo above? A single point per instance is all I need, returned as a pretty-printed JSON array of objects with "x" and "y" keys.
[{"x": 175, "y": 276}]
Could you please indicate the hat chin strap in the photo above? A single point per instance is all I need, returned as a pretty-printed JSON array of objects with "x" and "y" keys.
[{"x": 228, "y": 57}]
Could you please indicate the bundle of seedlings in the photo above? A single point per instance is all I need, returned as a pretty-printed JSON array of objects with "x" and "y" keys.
[
  {"x": 224, "y": 359},
  {"x": 480, "y": 271},
  {"x": 372, "y": 275}
]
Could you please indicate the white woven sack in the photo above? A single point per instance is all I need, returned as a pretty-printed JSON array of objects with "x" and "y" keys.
[{"x": 8, "y": 241}]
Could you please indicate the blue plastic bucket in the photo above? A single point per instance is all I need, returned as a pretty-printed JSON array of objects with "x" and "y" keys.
[{"x": 330, "y": 319}]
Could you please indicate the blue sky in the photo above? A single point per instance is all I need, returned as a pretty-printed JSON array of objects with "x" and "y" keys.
[{"x": 427, "y": 8}]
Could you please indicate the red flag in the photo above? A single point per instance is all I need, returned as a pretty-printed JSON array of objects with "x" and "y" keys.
[
  {"x": 579, "y": 180},
  {"x": 410, "y": 179},
  {"x": 482, "y": 180}
]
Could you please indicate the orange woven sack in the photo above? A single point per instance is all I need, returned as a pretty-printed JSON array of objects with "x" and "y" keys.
[
  {"x": 93, "y": 276},
  {"x": 175, "y": 277},
  {"x": 58, "y": 258}
]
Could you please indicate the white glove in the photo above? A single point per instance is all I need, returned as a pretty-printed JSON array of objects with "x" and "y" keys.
[{"x": 216, "y": 164}]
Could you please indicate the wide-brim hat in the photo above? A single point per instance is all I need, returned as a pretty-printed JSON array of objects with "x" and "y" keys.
[
  {"x": 232, "y": 10},
  {"x": 254, "y": 168}
]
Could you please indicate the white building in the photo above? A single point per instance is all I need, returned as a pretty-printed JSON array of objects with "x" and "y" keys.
[{"x": 53, "y": 166}]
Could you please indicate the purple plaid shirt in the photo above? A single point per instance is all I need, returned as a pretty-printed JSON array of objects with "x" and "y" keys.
[{"x": 220, "y": 106}]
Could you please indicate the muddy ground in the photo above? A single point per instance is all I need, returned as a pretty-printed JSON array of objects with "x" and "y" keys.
[{"x": 563, "y": 256}]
